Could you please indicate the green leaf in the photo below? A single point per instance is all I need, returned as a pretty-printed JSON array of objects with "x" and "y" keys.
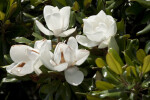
[
  {"x": 22, "y": 40},
  {"x": 147, "y": 47},
  {"x": 121, "y": 27},
  {"x": 100, "y": 62},
  {"x": 63, "y": 2},
  {"x": 116, "y": 56},
  {"x": 91, "y": 97},
  {"x": 35, "y": 2},
  {"x": 87, "y": 3},
  {"x": 72, "y": 19},
  {"x": 140, "y": 54},
  {"x": 113, "y": 64},
  {"x": 100, "y": 5},
  {"x": 131, "y": 69},
  {"x": 76, "y": 6},
  {"x": 2, "y": 15},
  {"x": 146, "y": 64},
  {"x": 128, "y": 60},
  {"x": 102, "y": 85},
  {"x": 38, "y": 36},
  {"x": 146, "y": 30},
  {"x": 144, "y": 3},
  {"x": 113, "y": 44}
]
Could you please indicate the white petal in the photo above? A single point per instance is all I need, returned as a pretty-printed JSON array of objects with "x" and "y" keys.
[
  {"x": 60, "y": 48},
  {"x": 43, "y": 29},
  {"x": 37, "y": 65},
  {"x": 18, "y": 53},
  {"x": 83, "y": 40},
  {"x": 54, "y": 22},
  {"x": 10, "y": 67},
  {"x": 46, "y": 56},
  {"x": 81, "y": 56},
  {"x": 48, "y": 10},
  {"x": 68, "y": 32},
  {"x": 69, "y": 56},
  {"x": 104, "y": 43},
  {"x": 33, "y": 54},
  {"x": 74, "y": 76},
  {"x": 72, "y": 42},
  {"x": 65, "y": 13},
  {"x": 21, "y": 68},
  {"x": 102, "y": 14},
  {"x": 61, "y": 67},
  {"x": 88, "y": 27},
  {"x": 27, "y": 68}
]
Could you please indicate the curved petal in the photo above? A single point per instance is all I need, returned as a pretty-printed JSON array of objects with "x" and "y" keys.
[
  {"x": 81, "y": 56},
  {"x": 10, "y": 67},
  {"x": 46, "y": 56},
  {"x": 48, "y": 10},
  {"x": 54, "y": 22},
  {"x": 65, "y": 13},
  {"x": 43, "y": 29},
  {"x": 72, "y": 42},
  {"x": 74, "y": 76},
  {"x": 61, "y": 67},
  {"x": 21, "y": 68},
  {"x": 33, "y": 54},
  {"x": 87, "y": 28},
  {"x": 83, "y": 40},
  {"x": 39, "y": 44},
  {"x": 101, "y": 15},
  {"x": 68, "y": 32},
  {"x": 37, "y": 64},
  {"x": 18, "y": 53},
  {"x": 104, "y": 43}
]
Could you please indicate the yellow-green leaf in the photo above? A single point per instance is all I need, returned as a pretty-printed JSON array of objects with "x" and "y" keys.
[
  {"x": 76, "y": 6},
  {"x": 140, "y": 54},
  {"x": 113, "y": 64},
  {"x": 102, "y": 85},
  {"x": 100, "y": 62},
  {"x": 87, "y": 3},
  {"x": 91, "y": 97},
  {"x": 2, "y": 15},
  {"x": 131, "y": 69},
  {"x": 146, "y": 64}
]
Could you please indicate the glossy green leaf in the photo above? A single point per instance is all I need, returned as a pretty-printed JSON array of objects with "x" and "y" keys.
[
  {"x": 72, "y": 19},
  {"x": 22, "y": 40},
  {"x": 91, "y": 97},
  {"x": 147, "y": 47},
  {"x": 116, "y": 56},
  {"x": 146, "y": 64},
  {"x": 146, "y": 30},
  {"x": 128, "y": 60},
  {"x": 102, "y": 85},
  {"x": 100, "y": 62},
  {"x": 113, "y": 64},
  {"x": 131, "y": 69},
  {"x": 113, "y": 44},
  {"x": 140, "y": 54},
  {"x": 76, "y": 6},
  {"x": 144, "y": 3}
]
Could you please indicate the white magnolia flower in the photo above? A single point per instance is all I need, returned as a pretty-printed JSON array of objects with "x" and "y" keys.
[
  {"x": 26, "y": 59},
  {"x": 57, "y": 21},
  {"x": 65, "y": 58},
  {"x": 98, "y": 30}
]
